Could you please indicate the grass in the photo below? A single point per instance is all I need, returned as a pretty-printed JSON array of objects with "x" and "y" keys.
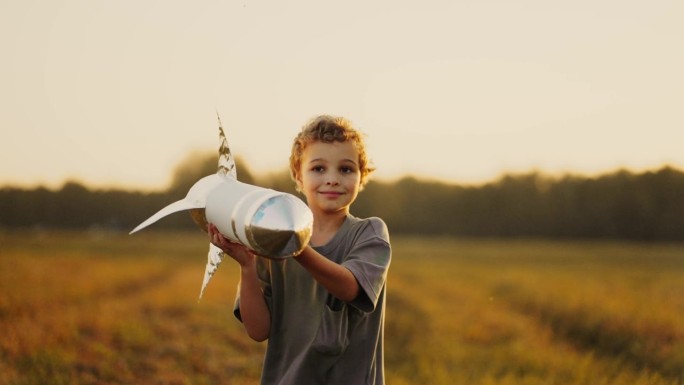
[{"x": 107, "y": 308}]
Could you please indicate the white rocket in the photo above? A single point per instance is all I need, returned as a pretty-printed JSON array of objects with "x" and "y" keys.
[{"x": 274, "y": 224}]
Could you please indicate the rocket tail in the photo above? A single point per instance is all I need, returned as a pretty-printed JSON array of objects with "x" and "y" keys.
[
  {"x": 226, "y": 163},
  {"x": 180, "y": 205},
  {"x": 214, "y": 259}
]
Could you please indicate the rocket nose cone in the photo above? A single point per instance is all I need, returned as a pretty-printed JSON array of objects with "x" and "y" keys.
[{"x": 281, "y": 227}]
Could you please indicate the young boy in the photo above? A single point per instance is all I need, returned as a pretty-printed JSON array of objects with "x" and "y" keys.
[{"x": 323, "y": 310}]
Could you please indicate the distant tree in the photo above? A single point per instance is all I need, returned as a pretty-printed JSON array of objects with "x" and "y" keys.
[
  {"x": 646, "y": 206},
  {"x": 76, "y": 204},
  {"x": 198, "y": 165},
  {"x": 664, "y": 190},
  {"x": 279, "y": 181}
]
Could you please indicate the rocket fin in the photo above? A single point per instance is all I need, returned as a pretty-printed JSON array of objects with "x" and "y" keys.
[
  {"x": 176, "y": 206},
  {"x": 226, "y": 163},
  {"x": 195, "y": 199},
  {"x": 214, "y": 259}
]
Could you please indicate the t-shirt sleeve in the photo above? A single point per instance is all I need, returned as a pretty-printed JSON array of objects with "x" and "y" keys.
[{"x": 369, "y": 260}]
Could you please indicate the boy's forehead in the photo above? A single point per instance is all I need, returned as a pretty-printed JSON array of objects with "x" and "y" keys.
[{"x": 325, "y": 150}]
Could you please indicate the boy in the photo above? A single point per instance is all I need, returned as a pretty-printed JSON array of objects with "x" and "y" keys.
[{"x": 323, "y": 310}]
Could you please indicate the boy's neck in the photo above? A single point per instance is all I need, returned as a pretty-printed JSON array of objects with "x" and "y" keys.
[{"x": 325, "y": 227}]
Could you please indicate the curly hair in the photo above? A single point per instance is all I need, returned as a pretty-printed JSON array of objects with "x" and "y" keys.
[{"x": 329, "y": 129}]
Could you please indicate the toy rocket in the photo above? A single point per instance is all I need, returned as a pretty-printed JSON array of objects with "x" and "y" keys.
[{"x": 273, "y": 224}]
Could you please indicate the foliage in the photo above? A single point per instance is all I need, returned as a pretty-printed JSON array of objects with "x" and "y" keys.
[
  {"x": 619, "y": 205},
  {"x": 647, "y": 206},
  {"x": 198, "y": 165}
]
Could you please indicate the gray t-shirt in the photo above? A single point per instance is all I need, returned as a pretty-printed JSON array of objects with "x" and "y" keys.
[{"x": 316, "y": 338}]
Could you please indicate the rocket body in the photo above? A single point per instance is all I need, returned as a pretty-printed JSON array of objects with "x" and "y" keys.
[{"x": 274, "y": 224}]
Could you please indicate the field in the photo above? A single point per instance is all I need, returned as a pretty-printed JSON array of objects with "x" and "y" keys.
[{"x": 107, "y": 308}]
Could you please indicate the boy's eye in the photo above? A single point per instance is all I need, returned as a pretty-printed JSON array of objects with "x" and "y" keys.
[
  {"x": 346, "y": 170},
  {"x": 317, "y": 168}
]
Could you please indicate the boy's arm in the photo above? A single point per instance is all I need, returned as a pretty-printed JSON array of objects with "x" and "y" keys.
[
  {"x": 254, "y": 312},
  {"x": 253, "y": 309},
  {"x": 337, "y": 279}
]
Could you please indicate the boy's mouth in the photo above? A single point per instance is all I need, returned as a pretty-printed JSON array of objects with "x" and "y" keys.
[{"x": 331, "y": 194}]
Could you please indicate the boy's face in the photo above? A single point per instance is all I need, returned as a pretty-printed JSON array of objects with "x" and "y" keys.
[{"x": 329, "y": 176}]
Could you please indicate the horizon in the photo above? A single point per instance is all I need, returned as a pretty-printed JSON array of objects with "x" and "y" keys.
[{"x": 265, "y": 176}]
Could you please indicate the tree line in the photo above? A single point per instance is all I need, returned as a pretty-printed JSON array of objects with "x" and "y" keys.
[{"x": 621, "y": 205}]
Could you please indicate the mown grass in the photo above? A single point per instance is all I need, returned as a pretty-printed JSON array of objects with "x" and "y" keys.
[{"x": 103, "y": 308}]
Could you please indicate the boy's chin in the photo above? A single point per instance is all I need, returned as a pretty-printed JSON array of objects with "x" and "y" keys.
[{"x": 334, "y": 209}]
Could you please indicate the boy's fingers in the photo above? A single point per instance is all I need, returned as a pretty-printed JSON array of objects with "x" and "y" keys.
[{"x": 222, "y": 242}]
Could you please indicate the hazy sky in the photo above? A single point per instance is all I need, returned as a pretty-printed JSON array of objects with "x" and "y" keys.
[{"x": 118, "y": 92}]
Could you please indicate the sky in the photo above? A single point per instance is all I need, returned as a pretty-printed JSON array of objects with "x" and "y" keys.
[{"x": 118, "y": 93}]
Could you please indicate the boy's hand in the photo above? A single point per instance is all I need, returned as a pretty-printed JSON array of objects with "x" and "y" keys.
[{"x": 238, "y": 252}]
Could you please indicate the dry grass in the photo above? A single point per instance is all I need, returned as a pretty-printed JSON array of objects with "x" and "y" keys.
[{"x": 101, "y": 308}]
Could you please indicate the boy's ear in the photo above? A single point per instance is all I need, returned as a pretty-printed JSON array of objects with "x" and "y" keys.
[{"x": 298, "y": 181}]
